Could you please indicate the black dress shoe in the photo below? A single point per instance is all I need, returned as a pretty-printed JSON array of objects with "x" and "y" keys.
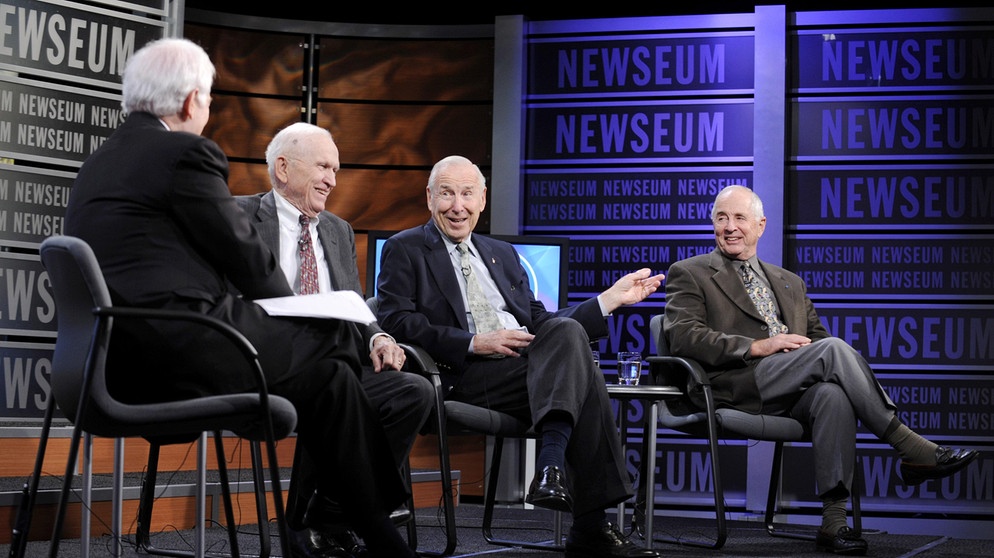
[
  {"x": 401, "y": 516},
  {"x": 844, "y": 541},
  {"x": 548, "y": 490},
  {"x": 607, "y": 542},
  {"x": 312, "y": 543},
  {"x": 947, "y": 462}
]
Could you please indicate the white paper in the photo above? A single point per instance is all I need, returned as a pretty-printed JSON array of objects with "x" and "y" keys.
[{"x": 343, "y": 305}]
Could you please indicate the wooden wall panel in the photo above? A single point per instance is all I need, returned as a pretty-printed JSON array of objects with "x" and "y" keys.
[
  {"x": 257, "y": 62},
  {"x": 406, "y": 70},
  {"x": 243, "y": 125},
  {"x": 408, "y": 135}
]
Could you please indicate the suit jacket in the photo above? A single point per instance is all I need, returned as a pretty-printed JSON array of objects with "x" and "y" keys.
[
  {"x": 155, "y": 207},
  {"x": 419, "y": 300},
  {"x": 337, "y": 240},
  {"x": 710, "y": 318}
]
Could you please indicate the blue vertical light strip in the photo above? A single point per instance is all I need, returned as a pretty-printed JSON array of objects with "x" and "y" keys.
[
  {"x": 769, "y": 179},
  {"x": 769, "y": 123},
  {"x": 508, "y": 129}
]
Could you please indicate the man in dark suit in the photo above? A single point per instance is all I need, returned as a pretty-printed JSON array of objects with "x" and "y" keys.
[
  {"x": 153, "y": 203},
  {"x": 765, "y": 362},
  {"x": 518, "y": 357},
  {"x": 303, "y": 160}
]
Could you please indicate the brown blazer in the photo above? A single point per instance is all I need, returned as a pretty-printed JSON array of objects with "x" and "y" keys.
[{"x": 710, "y": 318}]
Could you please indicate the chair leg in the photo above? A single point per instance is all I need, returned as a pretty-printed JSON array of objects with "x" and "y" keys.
[
  {"x": 29, "y": 493},
  {"x": 448, "y": 496},
  {"x": 143, "y": 540},
  {"x": 490, "y": 500},
  {"x": 277, "y": 488},
  {"x": 261, "y": 510},
  {"x": 145, "y": 499},
  {"x": 60, "y": 515},
  {"x": 411, "y": 526},
  {"x": 229, "y": 513},
  {"x": 721, "y": 528},
  {"x": 773, "y": 501}
]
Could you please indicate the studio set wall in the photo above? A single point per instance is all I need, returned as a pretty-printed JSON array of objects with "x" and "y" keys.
[{"x": 869, "y": 135}]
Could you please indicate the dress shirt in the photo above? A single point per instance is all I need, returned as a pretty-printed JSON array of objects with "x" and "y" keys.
[{"x": 288, "y": 217}]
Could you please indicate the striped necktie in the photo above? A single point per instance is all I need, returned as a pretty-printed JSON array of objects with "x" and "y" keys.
[{"x": 308, "y": 264}]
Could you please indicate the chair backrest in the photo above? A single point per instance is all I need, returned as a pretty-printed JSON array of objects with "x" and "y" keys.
[
  {"x": 689, "y": 413},
  {"x": 81, "y": 345},
  {"x": 79, "y": 383}
]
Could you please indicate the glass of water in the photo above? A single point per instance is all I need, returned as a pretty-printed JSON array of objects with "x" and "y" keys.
[{"x": 629, "y": 368}]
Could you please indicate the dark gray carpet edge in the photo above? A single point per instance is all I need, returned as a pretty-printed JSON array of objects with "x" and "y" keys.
[{"x": 745, "y": 539}]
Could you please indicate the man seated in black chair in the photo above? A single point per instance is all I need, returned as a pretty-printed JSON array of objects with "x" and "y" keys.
[
  {"x": 499, "y": 348},
  {"x": 153, "y": 203},
  {"x": 303, "y": 162},
  {"x": 753, "y": 328}
]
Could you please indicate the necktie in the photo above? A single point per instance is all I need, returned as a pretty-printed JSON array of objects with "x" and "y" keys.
[
  {"x": 308, "y": 265},
  {"x": 483, "y": 312},
  {"x": 763, "y": 299}
]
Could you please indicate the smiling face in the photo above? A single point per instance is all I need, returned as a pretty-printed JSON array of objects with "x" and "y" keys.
[
  {"x": 457, "y": 200},
  {"x": 737, "y": 226},
  {"x": 306, "y": 174}
]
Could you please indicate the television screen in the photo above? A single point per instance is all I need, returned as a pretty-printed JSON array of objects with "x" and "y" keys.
[{"x": 545, "y": 259}]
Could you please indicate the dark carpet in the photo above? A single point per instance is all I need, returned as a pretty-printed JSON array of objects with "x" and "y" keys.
[{"x": 745, "y": 539}]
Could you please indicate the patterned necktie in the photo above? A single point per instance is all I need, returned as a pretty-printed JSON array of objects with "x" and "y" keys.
[
  {"x": 484, "y": 315},
  {"x": 308, "y": 265},
  {"x": 763, "y": 299}
]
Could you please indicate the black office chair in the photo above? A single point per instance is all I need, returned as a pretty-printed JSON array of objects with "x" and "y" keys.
[
  {"x": 685, "y": 415},
  {"x": 454, "y": 418},
  {"x": 86, "y": 318}
]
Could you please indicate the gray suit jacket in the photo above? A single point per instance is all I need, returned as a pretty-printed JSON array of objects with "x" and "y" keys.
[
  {"x": 337, "y": 240},
  {"x": 710, "y": 318}
]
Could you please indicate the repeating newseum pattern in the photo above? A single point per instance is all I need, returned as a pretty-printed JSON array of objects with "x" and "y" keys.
[
  {"x": 633, "y": 127},
  {"x": 59, "y": 99}
]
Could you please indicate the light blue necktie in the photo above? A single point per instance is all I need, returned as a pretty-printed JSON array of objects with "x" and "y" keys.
[{"x": 484, "y": 315}]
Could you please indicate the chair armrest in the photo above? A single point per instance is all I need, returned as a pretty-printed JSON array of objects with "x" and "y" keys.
[
  {"x": 424, "y": 364},
  {"x": 675, "y": 371},
  {"x": 237, "y": 339}
]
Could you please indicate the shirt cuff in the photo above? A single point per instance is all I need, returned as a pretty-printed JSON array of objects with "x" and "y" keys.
[{"x": 372, "y": 341}]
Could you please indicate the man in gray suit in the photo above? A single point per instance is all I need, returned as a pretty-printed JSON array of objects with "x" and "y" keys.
[
  {"x": 303, "y": 160},
  {"x": 773, "y": 363}
]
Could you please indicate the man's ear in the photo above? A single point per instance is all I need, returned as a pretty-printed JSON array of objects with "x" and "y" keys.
[
  {"x": 280, "y": 169},
  {"x": 186, "y": 111}
]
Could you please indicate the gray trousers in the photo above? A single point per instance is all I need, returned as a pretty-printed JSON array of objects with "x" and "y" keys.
[
  {"x": 557, "y": 373},
  {"x": 829, "y": 386}
]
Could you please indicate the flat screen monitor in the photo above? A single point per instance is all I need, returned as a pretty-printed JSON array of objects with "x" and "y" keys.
[{"x": 545, "y": 259}]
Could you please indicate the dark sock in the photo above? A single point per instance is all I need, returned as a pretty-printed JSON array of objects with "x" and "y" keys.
[
  {"x": 383, "y": 540},
  {"x": 909, "y": 444},
  {"x": 555, "y": 436},
  {"x": 589, "y": 522}
]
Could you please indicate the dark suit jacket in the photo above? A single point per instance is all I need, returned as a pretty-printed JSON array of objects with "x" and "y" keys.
[
  {"x": 419, "y": 298},
  {"x": 710, "y": 318},
  {"x": 155, "y": 207},
  {"x": 337, "y": 240}
]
